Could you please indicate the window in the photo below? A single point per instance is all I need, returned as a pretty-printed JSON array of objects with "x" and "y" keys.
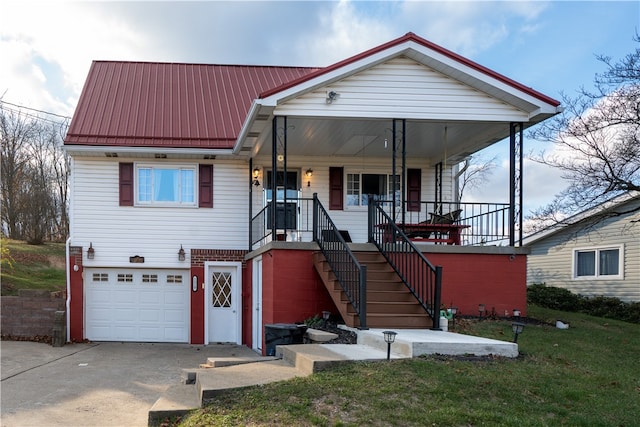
[
  {"x": 361, "y": 185},
  {"x": 166, "y": 185},
  {"x": 100, "y": 277},
  {"x": 599, "y": 263}
]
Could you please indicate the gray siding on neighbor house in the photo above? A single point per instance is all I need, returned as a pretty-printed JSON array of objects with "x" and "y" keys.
[{"x": 551, "y": 259}]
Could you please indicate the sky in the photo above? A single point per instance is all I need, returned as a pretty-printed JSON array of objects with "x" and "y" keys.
[{"x": 46, "y": 47}]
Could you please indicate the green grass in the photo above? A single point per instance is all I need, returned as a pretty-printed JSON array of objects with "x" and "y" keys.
[
  {"x": 32, "y": 266},
  {"x": 588, "y": 375}
]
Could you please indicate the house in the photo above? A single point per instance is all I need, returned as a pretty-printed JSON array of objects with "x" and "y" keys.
[
  {"x": 210, "y": 200},
  {"x": 593, "y": 253}
]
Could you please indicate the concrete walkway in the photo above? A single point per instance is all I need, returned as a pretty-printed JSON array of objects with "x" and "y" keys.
[
  {"x": 132, "y": 384},
  {"x": 97, "y": 384}
]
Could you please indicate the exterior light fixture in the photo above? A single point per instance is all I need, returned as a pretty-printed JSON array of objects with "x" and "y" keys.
[
  {"x": 325, "y": 317},
  {"x": 181, "y": 254},
  {"x": 91, "y": 253},
  {"x": 308, "y": 174},
  {"x": 454, "y": 311},
  {"x": 517, "y": 328},
  {"x": 389, "y": 338},
  {"x": 332, "y": 96},
  {"x": 481, "y": 310},
  {"x": 256, "y": 175},
  {"x": 516, "y": 312}
]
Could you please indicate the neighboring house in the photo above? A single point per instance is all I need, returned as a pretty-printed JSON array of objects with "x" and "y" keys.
[
  {"x": 593, "y": 253},
  {"x": 176, "y": 234}
]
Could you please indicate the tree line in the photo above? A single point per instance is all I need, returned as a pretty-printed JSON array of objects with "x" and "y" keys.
[{"x": 34, "y": 174}]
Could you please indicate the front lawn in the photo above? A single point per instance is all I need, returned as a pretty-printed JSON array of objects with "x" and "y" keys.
[{"x": 587, "y": 375}]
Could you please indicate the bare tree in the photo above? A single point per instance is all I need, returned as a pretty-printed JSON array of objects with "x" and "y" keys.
[
  {"x": 476, "y": 170},
  {"x": 597, "y": 138},
  {"x": 35, "y": 174},
  {"x": 15, "y": 134}
]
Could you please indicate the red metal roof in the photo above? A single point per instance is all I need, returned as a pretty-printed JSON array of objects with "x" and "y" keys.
[
  {"x": 149, "y": 104},
  {"x": 423, "y": 42}
]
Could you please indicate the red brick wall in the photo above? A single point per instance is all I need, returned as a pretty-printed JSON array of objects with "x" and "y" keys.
[
  {"x": 31, "y": 313},
  {"x": 498, "y": 281},
  {"x": 76, "y": 291},
  {"x": 291, "y": 288}
]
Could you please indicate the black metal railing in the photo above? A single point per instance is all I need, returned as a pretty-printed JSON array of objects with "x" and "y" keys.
[
  {"x": 422, "y": 278},
  {"x": 351, "y": 275},
  {"x": 486, "y": 223},
  {"x": 292, "y": 220}
]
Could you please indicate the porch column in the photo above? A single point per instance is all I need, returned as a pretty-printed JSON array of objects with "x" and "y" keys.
[
  {"x": 394, "y": 146},
  {"x": 438, "y": 190},
  {"x": 250, "y": 203},
  {"x": 274, "y": 169},
  {"x": 515, "y": 183}
]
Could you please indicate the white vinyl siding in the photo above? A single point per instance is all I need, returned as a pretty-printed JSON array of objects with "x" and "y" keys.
[
  {"x": 402, "y": 87},
  {"x": 552, "y": 259},
  {"x": 118, "y": 233}
]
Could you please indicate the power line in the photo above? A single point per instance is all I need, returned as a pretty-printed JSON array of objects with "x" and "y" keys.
[{"x": 34, "y": 109}]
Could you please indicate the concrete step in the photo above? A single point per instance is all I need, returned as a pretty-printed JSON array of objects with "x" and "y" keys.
[
  {"x": 213, "y": 382},
  {"x": 176, "y": 401}
]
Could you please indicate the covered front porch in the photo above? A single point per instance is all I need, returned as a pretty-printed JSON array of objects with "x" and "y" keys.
[{"x": 353, "y": 171}]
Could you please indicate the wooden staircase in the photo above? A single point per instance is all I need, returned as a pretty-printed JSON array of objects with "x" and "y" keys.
[{"x": 390, "y": 304}]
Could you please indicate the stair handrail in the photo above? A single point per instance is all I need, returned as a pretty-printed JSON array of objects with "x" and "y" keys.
[
  {"x": 423, "y": 279},
  {"x": 350, "y": 274}
]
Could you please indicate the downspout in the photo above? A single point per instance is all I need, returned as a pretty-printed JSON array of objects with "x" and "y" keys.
[{"x": 68, "y": 301}]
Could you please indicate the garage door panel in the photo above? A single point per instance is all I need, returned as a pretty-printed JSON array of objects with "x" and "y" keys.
[
  {"x": 137, "y": 305},
  {"x": 150, "y": 316}
]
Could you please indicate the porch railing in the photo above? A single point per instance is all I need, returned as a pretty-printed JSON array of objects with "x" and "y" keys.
[
  {"x": 293, "y": 220},
  {"x": 488, "y": 223},
  {"x": 421, "y": 277},
  {"x": 351, "y": 275}
]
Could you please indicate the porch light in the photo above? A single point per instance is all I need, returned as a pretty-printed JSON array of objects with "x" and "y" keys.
[
  {"x": 91, "y": 253},
  {"x": 181, "y": 254},
  {"x": 516, "y": 312},
  {"x": 256, "y": 175},
  {"x": 389, "y": 338},
  {"x": 325, "y": 317},
  {"x": 517, "y": 328},
  {"x": 308, "y": 174},
  {"x": 481, "y": 310}
]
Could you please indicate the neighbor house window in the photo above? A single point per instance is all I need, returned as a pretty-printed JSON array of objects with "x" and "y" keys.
[
  {"x": 361, "y": 185},
  {"x": 603, "y": 263},
  {"x": 166, "y": 185}
]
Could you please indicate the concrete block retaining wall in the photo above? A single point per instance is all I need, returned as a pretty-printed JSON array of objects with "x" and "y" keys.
[{"x": 30, "y": 314}]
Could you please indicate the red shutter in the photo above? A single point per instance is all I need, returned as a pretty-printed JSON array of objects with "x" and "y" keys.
[
  {"x": 336, "y": 184},
  {"x": 126, "y": 184},
  {"x": 414, "y": 188},
  {"x": 205, "y": 186}
]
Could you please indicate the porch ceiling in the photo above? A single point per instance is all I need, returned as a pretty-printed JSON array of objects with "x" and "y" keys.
[{"x": 434, "y": 140}]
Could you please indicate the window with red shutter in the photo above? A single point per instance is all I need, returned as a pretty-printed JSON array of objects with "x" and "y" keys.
[
  {"x": 126, "y": 184},
  {"x": 205, "y": 194},
  {"x": 414, "y": 188},
  {"x": 336, "y": 185}
]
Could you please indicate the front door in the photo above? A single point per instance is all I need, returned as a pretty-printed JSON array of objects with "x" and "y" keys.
[{"x": 224, "y": 319}]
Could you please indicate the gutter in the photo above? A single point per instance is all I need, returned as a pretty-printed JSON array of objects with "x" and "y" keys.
[{"x": 68, "y": 301}]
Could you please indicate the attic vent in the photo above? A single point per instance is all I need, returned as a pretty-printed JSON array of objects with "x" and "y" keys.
[
  {"x": 253, "y": 134},
  {"x": 262, "y": 117},
  {"x": 209, "y": 157},
  {"x": 111, "y": 154},
  {"x": 161, "y": 156}
]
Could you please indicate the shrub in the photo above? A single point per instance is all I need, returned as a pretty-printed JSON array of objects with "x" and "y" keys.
[{"x": 563, "y": 299}]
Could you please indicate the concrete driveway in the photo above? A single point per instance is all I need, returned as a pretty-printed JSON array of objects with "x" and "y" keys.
[{"x": 95, "y": 384}]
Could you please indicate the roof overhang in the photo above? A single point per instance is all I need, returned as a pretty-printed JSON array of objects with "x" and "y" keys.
[
  {"x": 534, "y": 107},
  {"x": 145, "y": 152}
]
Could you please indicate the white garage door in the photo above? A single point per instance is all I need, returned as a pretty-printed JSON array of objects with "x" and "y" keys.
[{"x": 136, "y": 305}]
